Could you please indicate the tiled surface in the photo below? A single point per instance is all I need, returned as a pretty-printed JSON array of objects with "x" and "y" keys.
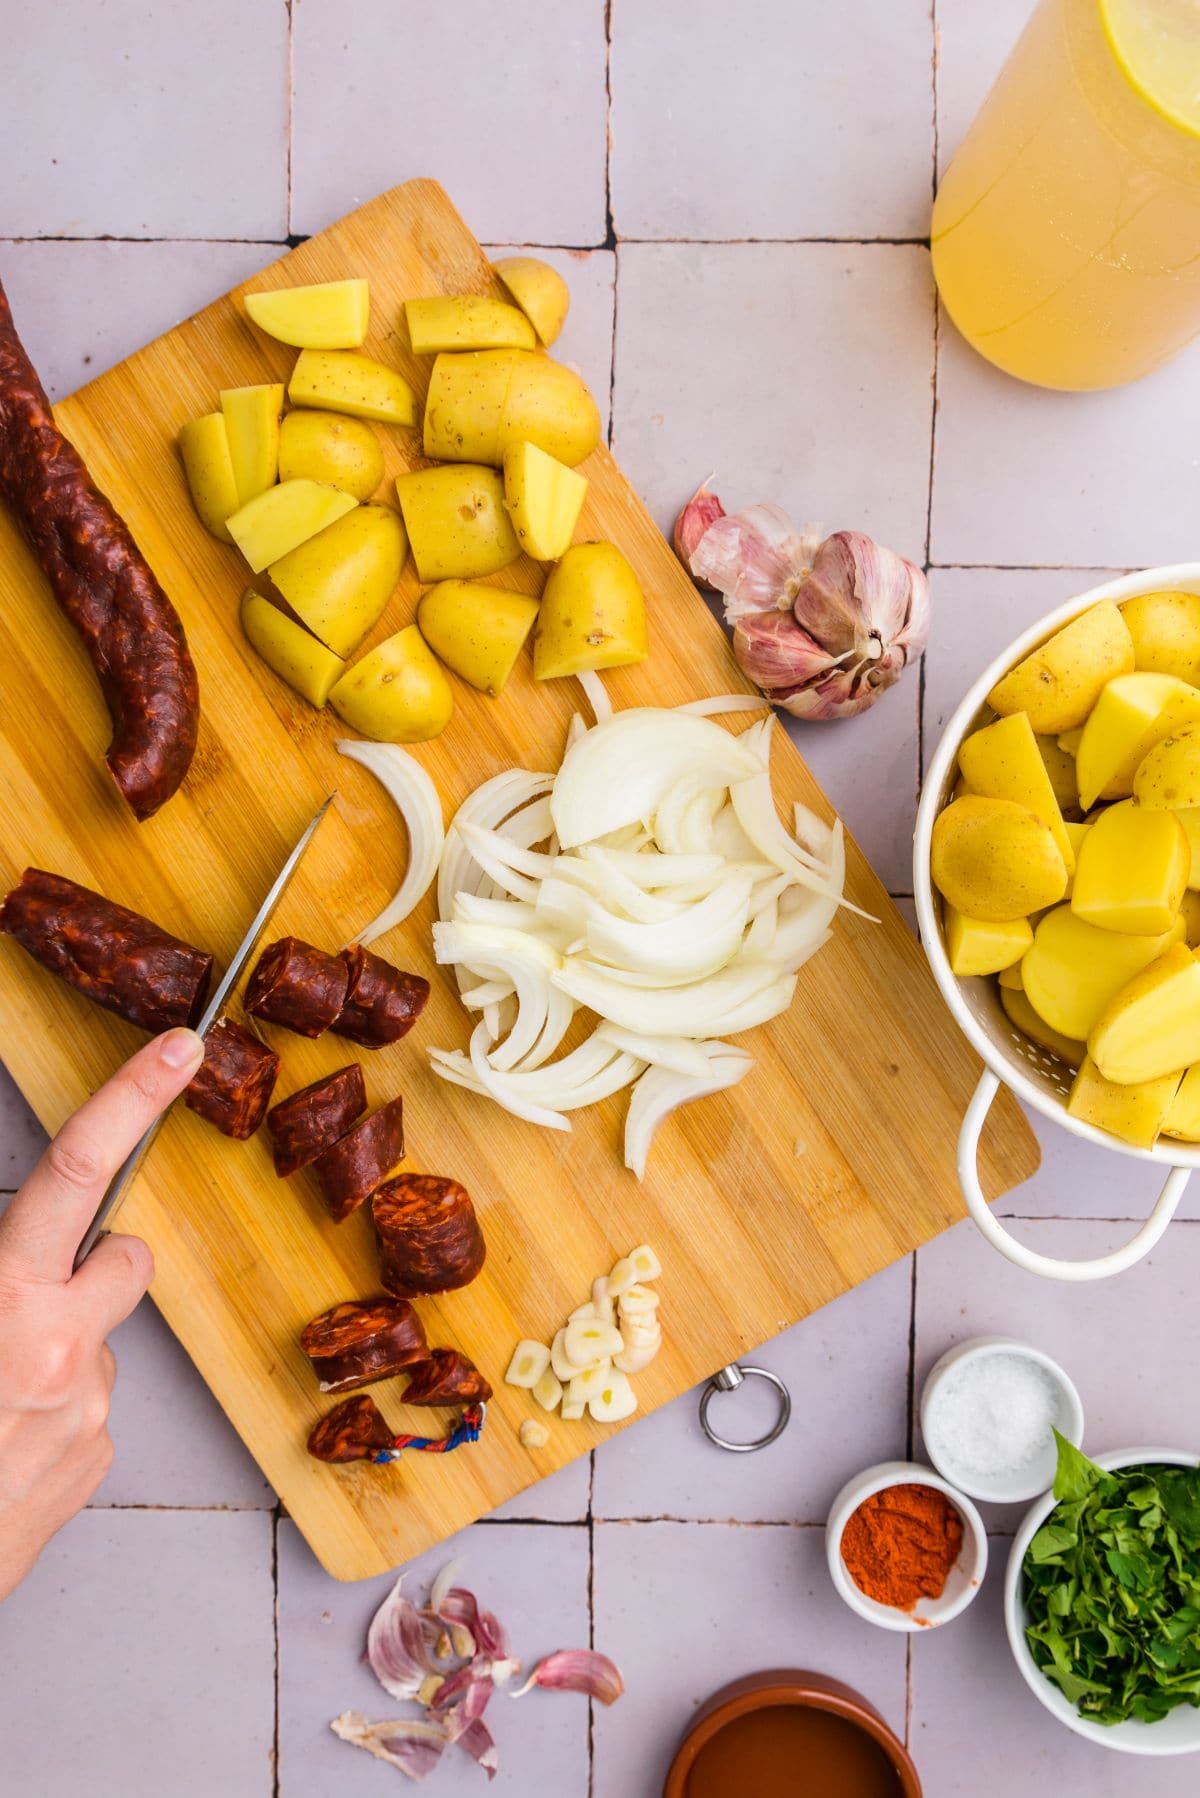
[{"x": 649, "y": 144}]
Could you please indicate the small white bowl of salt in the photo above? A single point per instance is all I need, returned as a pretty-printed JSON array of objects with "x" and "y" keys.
[{"x": 989, "y": 1409}]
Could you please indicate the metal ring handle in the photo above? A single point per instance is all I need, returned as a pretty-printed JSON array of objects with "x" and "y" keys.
[{"x": 728, "y": 1380}]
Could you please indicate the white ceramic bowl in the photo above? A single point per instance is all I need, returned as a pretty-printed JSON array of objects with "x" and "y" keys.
[
  {"x": 1037, "y": 1475},
  {"x": 1178, "y": 1733},
  {"x": 1035, "y": 1076},
  {"x": 964, "y": 1578}
]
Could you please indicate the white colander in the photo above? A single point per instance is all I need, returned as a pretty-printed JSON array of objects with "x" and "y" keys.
[{"x": 1033, "y": 1074}]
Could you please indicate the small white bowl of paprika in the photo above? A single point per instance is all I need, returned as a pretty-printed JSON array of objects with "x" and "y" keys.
[{"x": 906, "y": 1549}]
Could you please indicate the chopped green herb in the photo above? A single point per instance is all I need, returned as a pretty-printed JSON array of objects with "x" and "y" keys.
[{"x": 1112, "y": 1586}]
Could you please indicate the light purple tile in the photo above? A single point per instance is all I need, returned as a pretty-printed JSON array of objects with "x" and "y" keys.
[
  {"x": 846, "y": 1367},
  {"x": 81, "y": 307},
  {"x": 685, "y": 1608},
  {"x": 138, "y": 1658},
  {"x": 974, "y": 38},
  {"x": 908, "y": 912},
  {"x": 534, "y": 1578},
  {"x": 136, "y": 121},
  {"x": 560, "y": 1498},
  {"x": 508, "y": 114},
  {"x": 587, "y": 338},
  {"x": 869, "y": 768},
  {"x": 22, "y": 1138},
  {"x": 771, "y": 120},
  {"x": 977, "y": 1731}
]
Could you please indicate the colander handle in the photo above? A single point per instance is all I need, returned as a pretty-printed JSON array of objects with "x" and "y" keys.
[{"x": 1048, "y": 1265}]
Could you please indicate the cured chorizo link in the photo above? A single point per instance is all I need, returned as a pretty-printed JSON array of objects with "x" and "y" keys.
[
  {"x": 350, "y": 1171},
  {"x": 104, "y": 585},
  {"x": 113, "y": 956},
  {"x": 447, "y": 1378},
  {"x": 429, "y": 1236},
  {"x": 353, "y": 1431},
  {"x": 236, "y": 1079},
  {"x": 297, "y": 986},
  {"x": 352, "y": 1344},
  {"x": 311, "y": 1121},
  {"x": 382, "y": 1003}
]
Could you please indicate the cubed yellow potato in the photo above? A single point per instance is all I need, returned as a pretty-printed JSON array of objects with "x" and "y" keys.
[
  {"x": 1003, "y": 761},
  {"x": 1132, "y": 714},
  {"x": 1068, "y": 742},
  {"x": 252, "y": 427},
  {"x": 1183, "y": 1114},
  {"x": 1135, "y": 1113},
  {"x": 466, "y": 321},
  {"x": 273, "y": 524},
  {"x": 476, "y": 630},
  {"x": 1165, "y": 628},
  {"x": 1060, "y": 770},
  {"x": 289, "y": 649},
  {"x": 1189, "y": 817},
  {"x": 344, "y": 381},
  {"x": 977, "y": 946},
  {"x": 544, "y": 499},
  {"x": 1012, "y": 976},
  {"x": 204, "y": 447},
  {"x": 1020, "y": 1012},
  {"x": 1189, "y": 911},
  {"x": 339, "y": 581},
  {"x": 1133, "y": 871},
  {"x": 592, "y": 615},
  {"x": 1152, "y": 1026},
  {"x": 1074, "y": 969},
  {"x": 1168, "y": 776},
  {"x": 480, "y": 401},
  {"x": 457, "y": 522},
  {"x": 1076, "y": 831},
  {"x": 992, "y": 859},
  {"x": 330, "y": 447},
  {"x": 328, "y": 315},
  {"x": 1060, "y": 682},
  {"x": 539, "y": 291},
  {"x": 397, "y": 693}
]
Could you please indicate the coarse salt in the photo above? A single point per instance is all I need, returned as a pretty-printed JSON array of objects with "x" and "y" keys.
[{"x": 994, "y": 1413}]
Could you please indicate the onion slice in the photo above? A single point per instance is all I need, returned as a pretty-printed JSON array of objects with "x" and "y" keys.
[
  {"x": 596, "y": 694},
  {"x": 415, "y": 798},
  {"x": 717, "y": 703},
  {"x": 618, "y": 773},
  {"x": 660, "y": 1092}
]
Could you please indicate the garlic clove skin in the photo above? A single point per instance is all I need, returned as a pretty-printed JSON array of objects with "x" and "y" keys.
[
  {"x": 701, "y": 511},
  {"x": 756, "y": 559}
]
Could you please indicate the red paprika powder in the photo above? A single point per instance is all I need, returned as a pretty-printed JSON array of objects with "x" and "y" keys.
[{"x": 901, "y": 1543}]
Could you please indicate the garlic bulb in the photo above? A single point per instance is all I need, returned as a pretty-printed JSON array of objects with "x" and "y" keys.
[
  {"x": 702, "y": 510},
  {"x": 823, "y": 628}
]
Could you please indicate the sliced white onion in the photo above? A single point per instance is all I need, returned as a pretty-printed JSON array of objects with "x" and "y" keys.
[
  {"x": 694, "y": 945},
  {"x": 488, "y": 806},
  {"x": 415, "y": 798},
  {"x": 679, "y": 1053},
  {"x": 618, "y": 773},
  {"x": 614, "y": 889},
  {"x": 660, "y": 1092},
  {"x": 596, "y": 694},
  {"x": 725, "y": 702},
  {"x": 650, "y": 869},
  {"x": 696, "y": 1010}
]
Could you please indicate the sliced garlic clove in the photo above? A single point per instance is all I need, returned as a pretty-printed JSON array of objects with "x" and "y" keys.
[
  {"x": 640, "y": 1326},
  {"x": 638, "y": 1355},
  {"x": 602, "y": 1304},
  {"x": 585, "y": 1311},
  {"x": 637, "y": 1299},
  {"x": 563, "y": 1368},
  {"x": 615, "y": 1401},
  {"x": 533, "y": 1434},
  {"x": 623, "y": 1275},
  {"x": 585, "y": 1385},
  {"x": 589, "y": 1341},
  {"x": 646, "y": 1264},
  {"x": 529, "y": 1362},
  {"x": 573, "y": 1409},
  {"x": 548, "y": 1390}
]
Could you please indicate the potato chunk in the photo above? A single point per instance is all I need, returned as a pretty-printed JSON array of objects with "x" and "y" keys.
[
  {"x": 593, "y": 614},
  {"x": 289, "y": 649},
  {"x": 344, "y": 381},
  {"x": 1003, "y": 761},
  {"x": 978, "y": 947},
  {"x": 544, "y": 499},
  {"x": 539, "y": 291},
  {"x": 1152, "y": 1026},
  {"x": 1060, "y": 682},
  {"x": 1020, "y": 1012},
  {"x": 397, "y": 693},
  {"x": 992, "y": 859},
  {"x": 330, "y": 447},
  {"x": 252, "y": 425},
  {"x": 1074, "y": 968},
  {"x": 1165, "y": 628},
  {"x": 1133, "y": 871},
  {"x": 208, "y": 465},
  {"x": 466, "y": 321},
  {"x": 482, "y": 401},
  {"x": 339, "y": 581},
  {"x": 478, "y": 631},
  {"x": 1132, "y": 714},
  {"x": 1168, "y": 776},
  {"x": 1135, "y": 1113},
  {"x": 273, "y": 524},
  {"x": 457, "y": 522},
  {"x": 328, "y": 315}
]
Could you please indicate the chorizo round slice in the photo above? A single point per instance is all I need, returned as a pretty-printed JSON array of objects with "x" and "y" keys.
[
  {"x": 233, "y": 1086},
  {"x": 297, "y": 986},
  {"x": 353, "y": 1344},
  {"x": 355, "y": 1430},
  {"x": 429, "y": 1236},
  {"x": 310, "y": 1121},
  {"x": 446, "y": 1378},
  {"x": 351, "y": 1170},
  {"x": 382, "y": 1003}
]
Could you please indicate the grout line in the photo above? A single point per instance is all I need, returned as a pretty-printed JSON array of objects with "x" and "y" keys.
[
  {"x": 910, "y": 1390},
  {"x": 720, "y": 1523},
  {"x": 215, "y": 1510},
  {"x": 540, "y": 1523},
  {"x": 291, "y": 104},
  {"x": 275, "y": 1629},
  {"x": 723, "y": 242},
  {"x": 1034, "y": 567},
  {"x": 268, "y": 241},
  {"x": 612, "y": 354},
  {"x": 610, "y": 233}
]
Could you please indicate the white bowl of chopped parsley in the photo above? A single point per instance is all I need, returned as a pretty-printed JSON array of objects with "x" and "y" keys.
[{"x": 1102, "y": 1598}]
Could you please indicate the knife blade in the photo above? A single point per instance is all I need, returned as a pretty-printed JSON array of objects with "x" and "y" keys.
[{"x": 121, "y": 1180}]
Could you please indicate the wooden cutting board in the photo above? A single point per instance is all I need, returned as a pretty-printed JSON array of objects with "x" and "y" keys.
[{"x": 834, "y": 1157}]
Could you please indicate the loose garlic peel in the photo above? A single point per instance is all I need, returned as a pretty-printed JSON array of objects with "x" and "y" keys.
[{"x": 613, "y": 1334}]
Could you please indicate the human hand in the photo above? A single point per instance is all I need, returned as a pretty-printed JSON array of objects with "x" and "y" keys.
[{"x": 56, "y": 1369}]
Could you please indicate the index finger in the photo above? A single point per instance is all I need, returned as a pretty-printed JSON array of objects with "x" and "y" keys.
[{"x": 44, "y": 1224}]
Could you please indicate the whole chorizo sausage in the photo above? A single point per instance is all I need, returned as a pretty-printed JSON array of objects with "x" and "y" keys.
[
  {"x": 307, "y": 1123},
  {"x": 429, "y": 1236},
  {"x": 350, "y": 1171},
  {"x": 113, "y": 956},
  {"x": 297, "y": 986},
  {"x": 446, "y": 1378},
  {"x": 235, "y": 1081},
  {"x": 382, "y": 1003},
  {"x": 353, "y": 1344},
  {"x": 102, "y": 582},
  {"x": 355, "y": 1430}
]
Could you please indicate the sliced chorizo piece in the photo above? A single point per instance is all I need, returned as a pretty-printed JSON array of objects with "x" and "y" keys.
[
  {"x": 113, "y": 956},
  {"x": 307, "y": 1123},
  {"x": 235, "y": 1081},
  {"x": 355, "y": 1430},
  {"x": 429, "y": 1236},
  {"x": 103, "y": 584},
  {"x": 382, "y": 1003},
  {"x": 297, "y": 986},
  {"x": 446, "y": 1378},
  {"x": 353, "y": 1344},
  {"x": 351, "y": 1170}
]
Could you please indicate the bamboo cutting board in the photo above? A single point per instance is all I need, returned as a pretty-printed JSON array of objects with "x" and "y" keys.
[{"x": 834, "y": 1157}]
